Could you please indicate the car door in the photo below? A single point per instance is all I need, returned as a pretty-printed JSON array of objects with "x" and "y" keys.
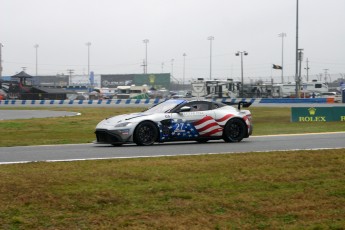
[{"x": 197, "y": 121}]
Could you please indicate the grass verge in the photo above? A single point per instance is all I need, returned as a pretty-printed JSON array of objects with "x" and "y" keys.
[
  {"x": 278, "y": 190},
  {"x": 80, "y": 129}
]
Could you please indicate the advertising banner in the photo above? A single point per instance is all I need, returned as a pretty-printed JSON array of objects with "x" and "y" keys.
[
  {"x": 115, "y": 80},
  {"x": 317, "y": 114},
  {"x": 157, "y": 81}
]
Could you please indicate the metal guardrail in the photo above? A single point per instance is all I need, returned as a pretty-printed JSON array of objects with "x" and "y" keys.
[{"x": 148, "y": 102}]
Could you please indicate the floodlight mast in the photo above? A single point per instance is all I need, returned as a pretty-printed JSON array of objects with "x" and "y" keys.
[
  {"x": 241, "y": 53},
  {"x": 210, "y": 38},
  {"x": 36, "y": 48},
  {"x": 282, "y": 35},
  {"x": 88, "y": 58},
  {"x": 145, "y": 64}
]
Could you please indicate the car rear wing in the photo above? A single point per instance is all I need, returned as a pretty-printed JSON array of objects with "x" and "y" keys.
[{"x": 240, "y": 104}]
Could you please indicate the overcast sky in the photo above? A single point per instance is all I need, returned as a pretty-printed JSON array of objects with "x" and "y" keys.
[{"x": 117, "y": 28}]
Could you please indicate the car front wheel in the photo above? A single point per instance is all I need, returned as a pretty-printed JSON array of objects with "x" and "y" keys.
[
  {"x": 145, "y": 134},
  {"x": 234, "y": 130}
]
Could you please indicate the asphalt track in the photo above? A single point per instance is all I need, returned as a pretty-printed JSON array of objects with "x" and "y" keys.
[{"x": 73, "y": 152}]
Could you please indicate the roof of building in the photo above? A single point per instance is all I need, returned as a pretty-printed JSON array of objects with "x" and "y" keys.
[{"x": 21, "y": 74}]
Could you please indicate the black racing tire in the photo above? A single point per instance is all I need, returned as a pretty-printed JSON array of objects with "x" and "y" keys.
[
  {"x": 234, "y": 130},
  {"x": 145, "y": 134}
]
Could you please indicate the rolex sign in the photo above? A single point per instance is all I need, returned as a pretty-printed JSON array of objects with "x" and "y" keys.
[{"x": 317, "y": 114}]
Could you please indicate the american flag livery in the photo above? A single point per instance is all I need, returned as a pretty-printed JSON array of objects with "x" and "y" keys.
[
  {"x": 178, "y": 120},
  {"x": 247, "y": 120},
  {"x": 207, "y": 126}
]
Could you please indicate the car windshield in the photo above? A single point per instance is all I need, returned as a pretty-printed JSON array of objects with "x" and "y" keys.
[{"x": 165, "y": 106}]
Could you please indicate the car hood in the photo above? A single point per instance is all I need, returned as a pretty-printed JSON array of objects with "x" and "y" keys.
[{"x": 122, "y": 118}]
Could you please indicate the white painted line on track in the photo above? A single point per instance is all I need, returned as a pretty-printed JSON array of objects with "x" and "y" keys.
[
  {"x": 296, "y": 134},
  {"x": 155, "y": 156},
  {"x": 261, "y": 136}
]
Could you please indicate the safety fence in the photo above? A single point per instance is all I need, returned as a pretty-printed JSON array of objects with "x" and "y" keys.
[{"x": 148, "y": 102}]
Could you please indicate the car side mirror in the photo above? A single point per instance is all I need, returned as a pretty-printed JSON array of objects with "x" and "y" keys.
[{"x": 184, "y": 109}]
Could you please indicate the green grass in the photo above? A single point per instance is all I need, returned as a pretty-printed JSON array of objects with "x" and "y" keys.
[
  {"x": 279, "y": 190},
  {"x": 59, "y": 130},
  {"x": 80, "y": 129},
  {"x": 271, "y": 120}
]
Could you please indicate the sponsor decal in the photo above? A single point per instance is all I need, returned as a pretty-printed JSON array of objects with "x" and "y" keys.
[
  {"x": 312, "y": 111},
  {"x": 107, "y": 83},
  {"x": 152, "y": 79},
  {"x": 312, "y": 117},
  {"x": 183, "y": 130},
  {"x": 198, "y": 87},
  {"x": 187, "y": 114},
  {"x": 309, "y": 119}
]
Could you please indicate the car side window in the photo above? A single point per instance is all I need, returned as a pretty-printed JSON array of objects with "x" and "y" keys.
[
  {"x": 199, "y": 107},
  {"x": 217, "y": 105}
]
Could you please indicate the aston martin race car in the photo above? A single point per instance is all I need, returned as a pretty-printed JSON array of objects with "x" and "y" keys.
[{"x": 178, "y": 120}]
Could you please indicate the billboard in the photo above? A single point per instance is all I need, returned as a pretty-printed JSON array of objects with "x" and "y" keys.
[
  {"x": 317, "y": 114},
  {"x": 55, "y": 80},
  {"x": 115, "y": 80},
  {"x": 157, "y": 81}
]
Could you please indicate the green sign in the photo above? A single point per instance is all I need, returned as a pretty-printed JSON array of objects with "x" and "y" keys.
[
  {"x": 158, "y": 81},
  {"x": 317, "y": 114}
]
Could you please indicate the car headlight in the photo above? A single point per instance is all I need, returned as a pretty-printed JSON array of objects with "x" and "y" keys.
[{"x": 124, "y": 124}]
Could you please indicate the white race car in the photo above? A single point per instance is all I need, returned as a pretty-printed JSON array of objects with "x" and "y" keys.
[{"x": 178, "y": 120}]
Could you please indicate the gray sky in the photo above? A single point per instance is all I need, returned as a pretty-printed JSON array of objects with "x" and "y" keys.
[{"x": 117, "y": 28}]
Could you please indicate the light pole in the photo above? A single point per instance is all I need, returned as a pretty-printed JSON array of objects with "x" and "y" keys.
[
  {"x": 36, "y": 48},
  {"x": 145, "y": 64},
  {"x": 70, "y": 72},
  {"x": 297, "y": 55},
  {"x": 172, "y": 73},
  {"x": 299, "y": 79},
  {"x": 300, "y": 59},
  {"x": 307, "y": 68},
  {"x": 88, "y": 58},
  {"x": 282, "y": 35},
  {"x": 210, "y": 38},
  {"x": 238, "y": 54},
  {"x": 326, "y": 75},
  {"x": 184, "y": 68}
]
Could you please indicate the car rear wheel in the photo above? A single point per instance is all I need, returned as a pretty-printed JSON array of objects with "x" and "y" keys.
[
  {"x": 234, "y": 130},
  {"x": 145, "y": 134}
]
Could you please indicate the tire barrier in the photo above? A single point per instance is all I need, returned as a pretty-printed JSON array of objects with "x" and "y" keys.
[{"x": 148, "y": 102}]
